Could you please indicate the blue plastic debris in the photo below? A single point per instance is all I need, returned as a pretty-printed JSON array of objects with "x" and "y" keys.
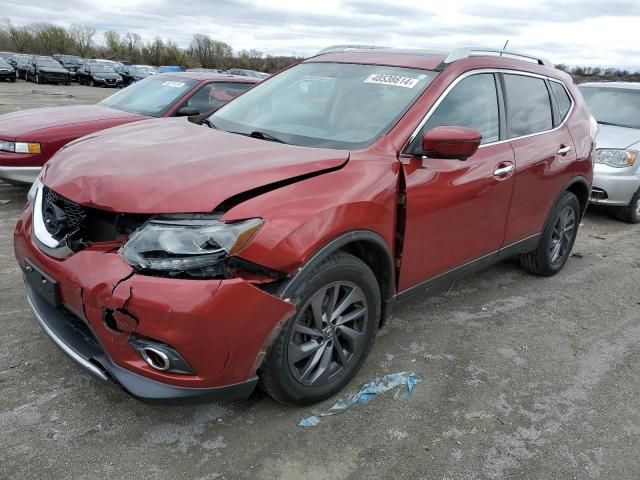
[
  {"x": 311, "y": 421},
  {"x": 367, "y": 393}
]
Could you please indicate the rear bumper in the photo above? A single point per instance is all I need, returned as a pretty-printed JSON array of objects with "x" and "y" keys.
[
  {"x": 614, "y": 189},
  {"x": 98, "y": 364},
  {"x": 20, "y": 174}
]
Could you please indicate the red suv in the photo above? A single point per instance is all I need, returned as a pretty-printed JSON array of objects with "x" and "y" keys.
[{"x": 270, "y": 242}]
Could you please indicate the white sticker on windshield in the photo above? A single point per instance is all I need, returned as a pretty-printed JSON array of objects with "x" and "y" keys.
[
  {"x": 394, "y": 80},
  {"x": 173, "y": 84}
]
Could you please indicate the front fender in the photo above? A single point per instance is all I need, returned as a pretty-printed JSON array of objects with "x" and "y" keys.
[{"x": 299, "y": 219}]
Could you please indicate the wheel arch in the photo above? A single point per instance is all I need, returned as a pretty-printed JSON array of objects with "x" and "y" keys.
[
  {"x": 580, "y": 188},
  {"x": 369, "y": 247}
]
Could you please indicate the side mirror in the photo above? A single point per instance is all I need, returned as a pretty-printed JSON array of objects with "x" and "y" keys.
[
  {"x": 449, "y": 142},
  {"x": 187, "y": 112}
]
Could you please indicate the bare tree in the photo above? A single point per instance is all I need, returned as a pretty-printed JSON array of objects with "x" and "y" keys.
[
  {"x": 21, "y": 37},
  {"x": 83, "y": 36}
]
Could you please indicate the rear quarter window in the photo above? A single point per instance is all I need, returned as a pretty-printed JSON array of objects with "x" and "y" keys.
[
  {"x": 528, "y": 105},
  {"x": 562, "y": 99}
]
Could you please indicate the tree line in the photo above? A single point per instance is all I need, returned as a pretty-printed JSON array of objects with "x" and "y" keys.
[{"x": 84, "y": 41}]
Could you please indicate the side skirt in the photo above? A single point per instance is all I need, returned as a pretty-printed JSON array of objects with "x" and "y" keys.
[{"x": 444, "y": 280}]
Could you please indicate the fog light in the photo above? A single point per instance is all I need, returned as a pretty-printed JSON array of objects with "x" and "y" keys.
[
  {"x": 161, "y": 357},
  {"x": 155, "y": 358}
]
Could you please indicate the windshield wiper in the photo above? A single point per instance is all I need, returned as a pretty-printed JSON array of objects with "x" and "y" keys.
[
  {"x": 208, "y": 123},
  {"x": 611, "y": 124},
  {"x": 263, "y": 136}
]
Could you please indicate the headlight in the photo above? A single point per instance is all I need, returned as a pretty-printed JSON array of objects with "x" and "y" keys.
[
  {"x": 19, "y": 147},
  {"x": 616, "y": 158},
  {"x": 177, "y": 244}
]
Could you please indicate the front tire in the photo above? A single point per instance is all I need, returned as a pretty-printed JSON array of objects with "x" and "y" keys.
[
  {"x": 557, "y": 239},
  {"x": 630, "y": 213},
  {"x": 321, "y": 348}
]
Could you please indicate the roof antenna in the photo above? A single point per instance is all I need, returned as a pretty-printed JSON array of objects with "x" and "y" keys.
[{"x": 505, "y": 47}]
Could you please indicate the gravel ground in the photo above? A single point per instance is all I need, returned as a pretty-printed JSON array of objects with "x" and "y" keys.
[{"x": 524, "y": 377}]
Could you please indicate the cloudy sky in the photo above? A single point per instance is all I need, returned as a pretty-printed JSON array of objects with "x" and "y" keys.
[{"x": 586, "y": 32}]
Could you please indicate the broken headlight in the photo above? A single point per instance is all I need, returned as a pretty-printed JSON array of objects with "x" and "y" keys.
[{"x": 176, "y": 244}]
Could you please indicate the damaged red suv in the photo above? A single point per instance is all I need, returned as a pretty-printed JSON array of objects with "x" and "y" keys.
[{"x": 269, "y": 243}]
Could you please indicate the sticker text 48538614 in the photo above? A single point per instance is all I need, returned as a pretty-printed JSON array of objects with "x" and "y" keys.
[{"x": 393, "y": 80}]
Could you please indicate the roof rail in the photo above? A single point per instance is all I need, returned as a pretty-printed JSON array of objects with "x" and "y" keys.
[
  {"x": 460, "y": 53},
  {"x": 344, "y": 48}
]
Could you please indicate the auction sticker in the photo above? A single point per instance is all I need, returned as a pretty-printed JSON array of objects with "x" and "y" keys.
[
  {"x": 173, "y": 84},
  {"x": 393, "y": 80}
]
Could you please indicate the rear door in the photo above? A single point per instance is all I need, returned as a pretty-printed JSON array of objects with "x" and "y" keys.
[
  {"x": 544, "y": 152},
  {"x": 456, "y": 211}
]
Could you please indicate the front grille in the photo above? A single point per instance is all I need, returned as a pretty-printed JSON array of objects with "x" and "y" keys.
[{"x": 74, "y": 214}]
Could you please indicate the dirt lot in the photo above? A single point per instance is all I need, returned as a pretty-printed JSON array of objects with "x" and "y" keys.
[{"x": 524, "y": 377}]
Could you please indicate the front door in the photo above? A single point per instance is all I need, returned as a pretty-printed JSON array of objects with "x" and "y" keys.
[{"x": 456, "y": 211}]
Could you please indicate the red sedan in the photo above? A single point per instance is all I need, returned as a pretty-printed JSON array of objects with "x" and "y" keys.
[{"x": 29, "y": 138}]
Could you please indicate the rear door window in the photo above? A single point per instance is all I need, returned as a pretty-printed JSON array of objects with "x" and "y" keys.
[{"x": 528, "y": 105}]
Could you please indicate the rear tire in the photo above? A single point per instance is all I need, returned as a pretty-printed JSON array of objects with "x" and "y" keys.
[
  {"x": 630, "y": 213},
  {"x": 321, "y": 348},
  {"x": 557, "y": 239}
]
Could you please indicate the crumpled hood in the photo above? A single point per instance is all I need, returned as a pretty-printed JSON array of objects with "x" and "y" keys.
[
  {"x": 175, "y": 166},
  {"x": 16, "y": 124},
  {"x": 611, "y": 136}
]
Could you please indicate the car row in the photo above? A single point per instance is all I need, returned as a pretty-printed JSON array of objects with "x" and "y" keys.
[{"x": 268, "y": 242}]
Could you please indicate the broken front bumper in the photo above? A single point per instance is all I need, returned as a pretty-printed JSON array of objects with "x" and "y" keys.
[{"x": 222, "y": 328}]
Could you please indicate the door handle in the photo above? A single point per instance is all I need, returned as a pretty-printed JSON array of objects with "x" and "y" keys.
[
  {"x": 504, "y": 171},
  {"x": 563, "y": 150}
]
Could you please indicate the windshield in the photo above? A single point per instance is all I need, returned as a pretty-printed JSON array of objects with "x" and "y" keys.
[
  {"x": 331, "y": 105},
  {"x": 142, "y": 70},
  {"x": 48, "y": 63},
  {"x": 615, "y": 106},
  {"x": 152, "y": 96},
  {"x": 101, "y": 69},
  {"x": 4, "y": 63}
]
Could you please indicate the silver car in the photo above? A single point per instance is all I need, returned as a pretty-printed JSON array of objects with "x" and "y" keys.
[{"x": 616, "y": 182}]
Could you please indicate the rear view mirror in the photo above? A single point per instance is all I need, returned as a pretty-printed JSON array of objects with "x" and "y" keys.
[
  {"x": 450, "y": 142},
  {"x": 187, "y": 112}
]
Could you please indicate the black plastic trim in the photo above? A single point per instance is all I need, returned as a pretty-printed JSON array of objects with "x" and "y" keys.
[
  {"x": 445, "y": 279},
  {"x": 335, "y": 245}
]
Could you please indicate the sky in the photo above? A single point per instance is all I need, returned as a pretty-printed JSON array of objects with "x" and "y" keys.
[{"x": 574, "y": 32}]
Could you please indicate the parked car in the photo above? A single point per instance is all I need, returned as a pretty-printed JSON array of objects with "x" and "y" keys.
[
  {"x": 272, "y": 240},
  {"x": 616, "y": 181},
  {"x": 248, "y": 73},
  {"x": 47, "y": 70},
  {"x": 29, "y": 138},
  {"x": 71, "y": 62},
  {"x": 170, "y": 69},
  {"x": 134, "y": 73},
  {"x": 99, "y": 75},
  {"x": 7, "y": 72},
  {"x": 21, "y": 63}
]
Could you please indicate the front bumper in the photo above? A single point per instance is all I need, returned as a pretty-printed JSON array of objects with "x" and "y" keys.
[
  {"x": 614, "y": 186},
  {"x": 24, "y": 175},
  {"x": 90, "y": 356},
  {"x": 222, "y": 328},
  {"x": 6, "y": 74}
]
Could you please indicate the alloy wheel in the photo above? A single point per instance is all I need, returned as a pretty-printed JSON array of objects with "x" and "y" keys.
[
  {"x": 328, "y": 334},
  {"x": 638, "y": 207},
  {"x": 562, "y": 235}
]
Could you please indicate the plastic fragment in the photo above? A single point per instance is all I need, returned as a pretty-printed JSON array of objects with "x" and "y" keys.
[
  {"x": 367, "y": 393},
  {"x": 311, "y": 421}
]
